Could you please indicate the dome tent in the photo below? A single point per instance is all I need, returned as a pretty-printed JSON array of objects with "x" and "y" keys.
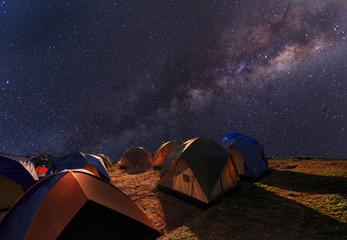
[
  {"x": 77, "y": 160},
  {"x": 107, "y": 161},
  {"x": 41, "y": 171},
  {"x": 247, "y": 153},
  {"x": 163, "y": 153},
  {"x": 200, "y": 171},
  {"x": 75, "y": 204},
  {"x": 16, "y": 175},
  {"x": 137, "y": 157}
]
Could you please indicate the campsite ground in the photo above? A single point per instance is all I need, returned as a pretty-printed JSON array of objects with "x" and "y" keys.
[{"x": 301, "y": 198}]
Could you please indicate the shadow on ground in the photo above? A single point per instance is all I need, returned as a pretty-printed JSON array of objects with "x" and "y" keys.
[
  {"x": 308, "y": 183},
  {"x": 177, "y": 212},
  {"x": 260, "y": 214}
]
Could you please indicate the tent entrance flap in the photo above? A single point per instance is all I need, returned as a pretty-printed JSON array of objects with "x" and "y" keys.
[
  {"x": 227, "y": 180},
  {"x": 180, "y": 178}
]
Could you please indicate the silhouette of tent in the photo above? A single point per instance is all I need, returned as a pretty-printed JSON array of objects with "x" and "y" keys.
[
  {"x": 75, "y": 204},
  {"x": 77, "y": 160},
  {"x": 16, "y": 175},
  {"x": 200, "y": 170},
  {"x": 137, "y": 157},
  {"x": 247, "y": 153},
  {"x": 163, "y": 153}
]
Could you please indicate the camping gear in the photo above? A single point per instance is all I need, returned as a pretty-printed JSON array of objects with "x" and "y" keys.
[
  {"x": 17, "y": 174},
  {"x": 137, "y": 157},
  {"x": 200, "y": 170},
  {"x": 75, "y": 204},
  {"x": 77, "y": 160},
  {"x": 164, "y": 152},
  {"x": 247, "y": 153}
]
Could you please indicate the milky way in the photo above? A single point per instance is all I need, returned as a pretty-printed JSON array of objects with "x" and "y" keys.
[{"x": 104, "y": 76}]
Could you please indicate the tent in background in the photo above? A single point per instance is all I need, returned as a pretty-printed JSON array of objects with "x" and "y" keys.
[
  {"x": 77, "y": 160},
  {"x": 75, "y": 204},
  {"x": 200, "y": 170},
  {"x": 16, "y": 175},
  {"x": 137, "y": 157},
  {"x": 163, "y": 153},
  {"x": 41, "y": 171},
  {"x": 107, "y": 161},
  {"x": 247, "y": 154}
]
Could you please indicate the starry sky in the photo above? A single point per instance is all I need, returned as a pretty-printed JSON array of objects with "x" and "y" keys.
[{"x": 104, "y": 76}]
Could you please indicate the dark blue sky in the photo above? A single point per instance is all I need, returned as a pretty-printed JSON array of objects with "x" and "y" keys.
[{"x": 104, "y": 76}]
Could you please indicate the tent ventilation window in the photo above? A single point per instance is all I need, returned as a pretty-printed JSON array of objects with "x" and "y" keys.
[{"x": 186, "y": 178}]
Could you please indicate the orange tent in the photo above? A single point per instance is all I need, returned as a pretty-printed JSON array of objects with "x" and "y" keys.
[
  {"x": 164, "y": 152},
  {"x": 137, "y": 157},
  {"x": 74, "y": 204}
]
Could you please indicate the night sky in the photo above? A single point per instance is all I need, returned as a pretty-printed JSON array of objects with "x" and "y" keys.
[{"x": 104, "y": 76}]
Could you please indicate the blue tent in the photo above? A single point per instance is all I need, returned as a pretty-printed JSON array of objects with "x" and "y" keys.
[
  {"x": 239, "y": 136},
  {"x": 78, "y": 160},
  {"x": 16, "y": 175},
  {"x": 247, "y": 154}
]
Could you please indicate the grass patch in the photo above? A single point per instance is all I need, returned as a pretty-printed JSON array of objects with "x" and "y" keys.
[{"x": 182, "y": 233}]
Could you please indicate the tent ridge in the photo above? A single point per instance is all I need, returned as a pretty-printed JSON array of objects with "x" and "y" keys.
[{"x": 75, "y": 178}]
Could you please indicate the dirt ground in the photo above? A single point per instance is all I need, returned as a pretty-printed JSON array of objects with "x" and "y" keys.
[{"x": 167, "y": 212}]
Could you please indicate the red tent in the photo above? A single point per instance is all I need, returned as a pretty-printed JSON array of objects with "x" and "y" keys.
[{"x": 41, "y": 171}]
